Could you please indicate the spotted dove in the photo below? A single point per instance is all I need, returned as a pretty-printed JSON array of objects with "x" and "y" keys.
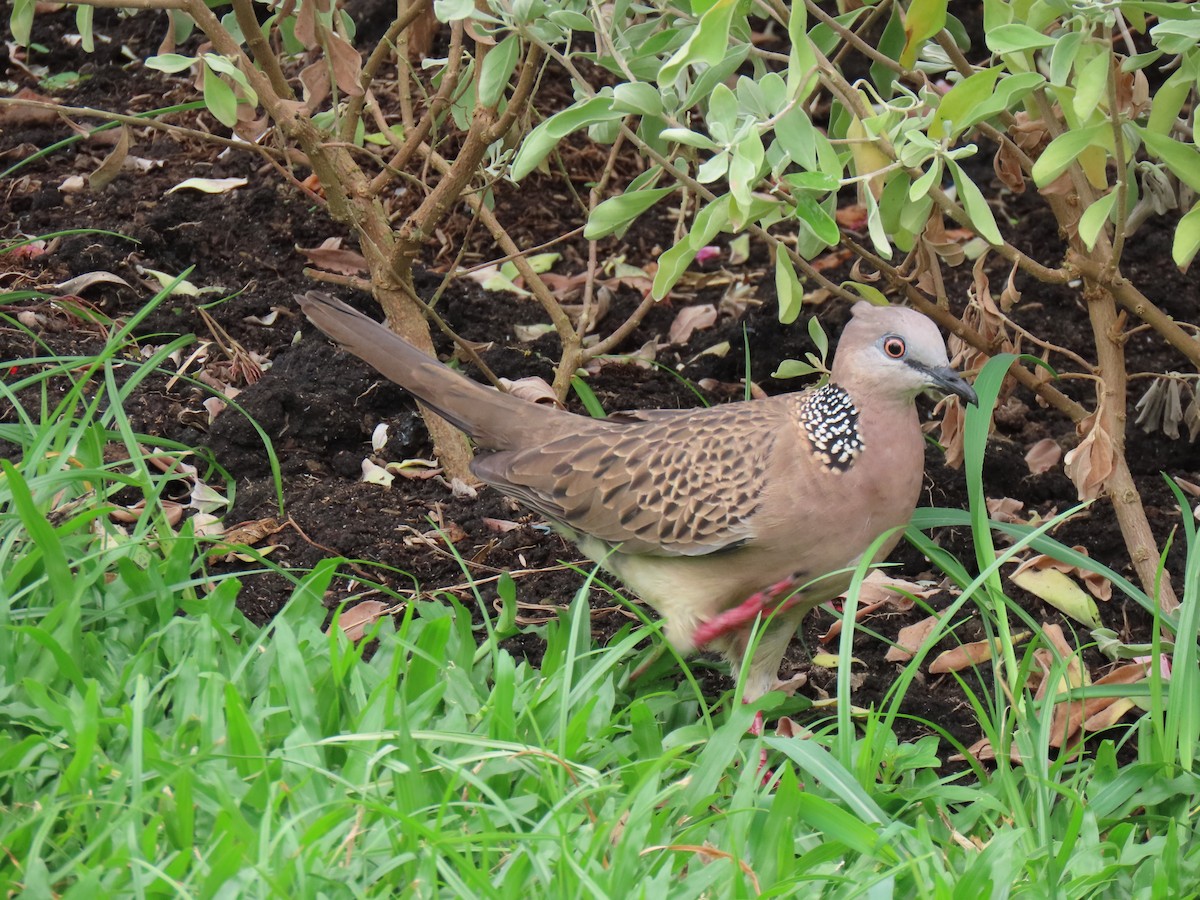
[{"x": 709, "y": 515}]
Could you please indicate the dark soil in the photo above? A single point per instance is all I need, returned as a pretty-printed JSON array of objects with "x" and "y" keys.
[{"x": 318, "y": 406}]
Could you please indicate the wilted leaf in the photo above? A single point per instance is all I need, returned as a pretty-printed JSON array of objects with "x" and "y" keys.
[
  {"x": 500, "y": 526},
  {"x": 1043, "y": 456},
  {"x": 830, "y": 660},
  {"x": 527, "y": 333},
  {"x": 375, "y": 474},
  {"x": 379, "y": 437},
  {"x": 80, "y": 283},
  {"x": 412, "y": 469},
  {"x": 347, "y": 65},
  {"x": 1091, "y": 463},
  {"x": 1098, "y": 586},
  {"x": 110, "y": 168},
  {"x": 1060, "y": 592}
]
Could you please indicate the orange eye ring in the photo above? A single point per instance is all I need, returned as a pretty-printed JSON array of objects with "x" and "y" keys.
[{"x": 894, "y": 347}]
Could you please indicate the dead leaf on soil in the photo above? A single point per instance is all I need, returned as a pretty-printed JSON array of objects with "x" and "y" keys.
[
  {"x": 690, "y": 319},
  {"x": 877, "y": 592},
  {"x": 968, "y": 655},
  {"x": 209, "y": 185},
  {"x": 1043, "y": 456},
  {"x": 910, "y": 639},
  {"x": 332, "y": 258}
]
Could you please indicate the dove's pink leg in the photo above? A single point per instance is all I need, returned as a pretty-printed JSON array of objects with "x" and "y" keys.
[{"x": 762, "y": 603}]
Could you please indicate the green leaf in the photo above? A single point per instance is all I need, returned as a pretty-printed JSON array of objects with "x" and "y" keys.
[
  {"x": 955, "y": 108},
  {"x": 872, "y": 295},
  {"x": 722, "y": 114},
  {"x": 1091, "y": 82},
  {"x": 793, "y": 368},
  {"x": 637, "y": 98},
  {"x": 924, "y": 19},
  {"x": 818, "y": 336},
  {"x": 498, "y": 67},
  {"x": 170, "y": 63},
  {"x": 1064, "y": 150},
  {"x": 802, "y": 61},
  {"x": 453, "y": 10},
  {"x": 1011, "y": 90},
  {"x": 744, "y": 167},
  {"x": 707, "y": 44},
  {"x": 813, "y": 215},
  {"x": 1182, "y": 159},
  {"x": 976, "y": 206},
  {"x": 1094, "y": 217},
  {"x": 617, "y": 212},
  {"x": 1062, "y": 58},
  {"x": 546, "y": 136},
  {"x": 1168, "y": 101},
  {"x": 672, "y": 264},
  {"x": 20, "y": 21},
  {"x": 688, "y": 138},
  {"x": 788, "y": 287},
  {"x": 1187, "y": 238},
  {"x": 219, "y": 98},
  {"x": 1015, "y": 39}
]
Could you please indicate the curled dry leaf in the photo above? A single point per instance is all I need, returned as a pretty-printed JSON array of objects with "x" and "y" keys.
[
  {"x": 1007, "y": 166},
  {"x": 1091, "y": 463},
  {"x": 1004, "y": 509},
  {"x": 413, "y": 469},
  {"x": 355, "y": 621},
  {"x": 533, "y": 389},
  {"x": 968, "y": 655},
  {"x": 950, "y": 430},
  {"x": 910, "y": 639},
  {"x": 1043, "y": 456}
]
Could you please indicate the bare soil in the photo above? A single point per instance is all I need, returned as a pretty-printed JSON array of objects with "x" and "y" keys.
[{"x": 318, "y": 406}]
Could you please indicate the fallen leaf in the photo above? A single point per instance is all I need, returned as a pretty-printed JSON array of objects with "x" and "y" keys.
[
  {"x": 500, "y": 526},
  {"x": 967, "y": 655},
  {"x": 1098, "y": 586},
  {"x": 1004, "y": 509},
  {"x": 332, "y": 258},
  {"x": 689, "y": 319},
  {"x": 355, "y": 621},
  {"x": 910, "y": 639},
  {"x": 533, "y": 389},
  {"x": 209, "y": 185},
  {"x": 1043, "y": 456}
]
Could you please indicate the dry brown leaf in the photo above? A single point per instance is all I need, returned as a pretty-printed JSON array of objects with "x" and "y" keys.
[
  {"x": 533, "y": 389},
  {"x": 332, "y": 258},
  {"x": 355, "y": 621},
  {"x": 1043, "y": 456},
  {"x": 950, "y": 430},
  {"x": 967, "y": 655},
  {"x": 500, "y": 526},
  {"x": 110, "y": 168},
  {"x": 877, "y": 592},
  {"x": 1007, "y": 166},
  {"x": 347, "y": 65},
  {"x": 1090, "y": 464},
  {"x": 690, "y": 319},
  {"x": 252, "y": 531},
  {"x": 910, "y": 638}
]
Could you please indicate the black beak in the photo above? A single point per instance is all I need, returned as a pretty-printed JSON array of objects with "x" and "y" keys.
[{"x": 951, "y": 382}]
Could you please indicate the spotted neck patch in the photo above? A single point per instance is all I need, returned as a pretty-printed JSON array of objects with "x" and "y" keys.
[{"x": 830, "y": 421}]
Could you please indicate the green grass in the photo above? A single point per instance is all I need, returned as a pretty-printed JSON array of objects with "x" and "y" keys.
[{"x": 155, "y": 743}]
